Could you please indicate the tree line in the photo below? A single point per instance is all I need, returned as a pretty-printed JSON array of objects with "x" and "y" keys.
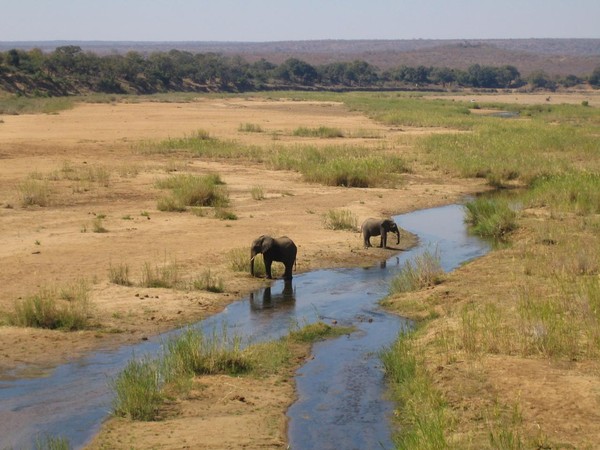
[{"x": 68, "y": 70}]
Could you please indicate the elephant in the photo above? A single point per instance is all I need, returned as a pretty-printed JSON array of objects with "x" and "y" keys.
[
  {"x": 280, "y": 249},
  {"x": 376, "y": 227}
]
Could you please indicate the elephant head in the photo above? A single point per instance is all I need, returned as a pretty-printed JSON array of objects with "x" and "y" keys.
[
  {"x": 280, "y": 249},
  {"x": 392, "y": 227}
]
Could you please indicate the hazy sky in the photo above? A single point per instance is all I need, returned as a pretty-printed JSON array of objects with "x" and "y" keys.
[{"x": 277, "y": 20}]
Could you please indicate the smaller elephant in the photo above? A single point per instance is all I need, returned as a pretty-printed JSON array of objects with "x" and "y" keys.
[
  {"x": 280, "y": 249},
  {"x": 376, "y": 227}
]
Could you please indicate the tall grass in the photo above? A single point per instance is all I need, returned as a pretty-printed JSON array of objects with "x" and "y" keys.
[
  {"x": 201, "y": 144},
  {"x": 188, "y": 190},
  {"x": 35, "y": 192},
  {"x": 68, "y": 308},
  {"x": 137, "y": 389},
  {"x": 421, "y": 411},
  {"x": 422, "y": 271},
  {"x": 239, "y": 261},
  {"x": 491, "y": 217},
  {"x": 144, "y": 385},
  {"x": 166, "y": 275},
  {"x": 119, "y": 274},
  {"x": 577, "y": 192},
  {"x": 340, "y": 219},
  {"x": 341, "y": 165},
  {"x": 208, "y": 282}
]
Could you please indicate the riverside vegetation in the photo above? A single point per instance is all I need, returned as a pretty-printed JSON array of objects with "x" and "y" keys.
[{"x": 532, "y": 303}]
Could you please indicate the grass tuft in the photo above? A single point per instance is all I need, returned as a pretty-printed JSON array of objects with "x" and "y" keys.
[
  {"x": 491, "y": 217},
  {"x": 341, "y": 219},
  {"x": 65, "y": 309},
  {"x": 423, "y": 271},
  {"x": 192, "y": 191}
]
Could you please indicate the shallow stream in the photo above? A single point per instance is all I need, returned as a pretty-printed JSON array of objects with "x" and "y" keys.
[{"x": 340, "y": 392}]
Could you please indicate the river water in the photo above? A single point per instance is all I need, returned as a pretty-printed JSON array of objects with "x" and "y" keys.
[{"x": 341, "y": 400}]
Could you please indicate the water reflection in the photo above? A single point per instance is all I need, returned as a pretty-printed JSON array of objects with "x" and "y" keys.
[{"x": 285, "y": 299}]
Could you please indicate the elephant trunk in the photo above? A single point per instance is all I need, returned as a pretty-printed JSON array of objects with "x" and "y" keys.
[{"x": 398, "y": 234}]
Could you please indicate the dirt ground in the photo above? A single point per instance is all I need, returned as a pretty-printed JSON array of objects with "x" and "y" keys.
[{"x": 54, "y": 245}]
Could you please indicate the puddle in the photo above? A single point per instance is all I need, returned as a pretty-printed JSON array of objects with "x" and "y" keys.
[{"x": 340, "y": 392}]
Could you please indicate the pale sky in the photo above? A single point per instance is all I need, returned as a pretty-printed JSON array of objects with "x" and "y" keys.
[{"x": 280, "y": 20}]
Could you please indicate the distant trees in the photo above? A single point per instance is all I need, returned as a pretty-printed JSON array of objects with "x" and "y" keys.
[
  {"x": 70, "y": 70},
  {"x": 594, "y": 78}
]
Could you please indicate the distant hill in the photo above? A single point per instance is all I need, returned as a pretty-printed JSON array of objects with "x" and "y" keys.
[{"x": 554, "y": 56}]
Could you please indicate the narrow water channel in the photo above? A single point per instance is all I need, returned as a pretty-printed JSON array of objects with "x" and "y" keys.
[{"x": 340, "y": 392}]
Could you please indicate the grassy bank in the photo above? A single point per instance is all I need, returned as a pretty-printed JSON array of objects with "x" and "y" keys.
[{"x": 470, "y": 376}]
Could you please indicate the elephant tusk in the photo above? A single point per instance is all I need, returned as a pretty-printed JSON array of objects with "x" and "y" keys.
[{"x": 252, "y": 259}]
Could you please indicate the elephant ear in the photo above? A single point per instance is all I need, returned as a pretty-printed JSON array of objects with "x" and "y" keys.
[{"x": 267, "y": 243}]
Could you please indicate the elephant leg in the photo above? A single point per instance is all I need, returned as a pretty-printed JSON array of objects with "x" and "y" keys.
[
  {"x": 367, "y": 240},
  {"x": 383, "y": 243},
  {"x": 288, "y": 271},
  {"x": 268, "y": 263}
]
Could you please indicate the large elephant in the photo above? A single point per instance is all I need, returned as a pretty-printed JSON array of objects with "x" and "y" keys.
[
  {"x": 280, "y": 249},
  {"x": 376, "y": 227}
]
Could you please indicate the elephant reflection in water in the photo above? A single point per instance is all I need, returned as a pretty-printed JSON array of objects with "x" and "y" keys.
[{"x": 285, "y": 299}]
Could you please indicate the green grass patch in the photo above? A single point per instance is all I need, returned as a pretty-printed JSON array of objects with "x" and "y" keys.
[
  {"x": 67, "y": 308},
  {"x": 201, "y": 144},
  {"x": 15, "y": 104},
  {"x": 349, "y": 166},
  {"x": 145, "y": 384},
  {"x": 320, "y": 132},
  {"x": 137, "y": 389},
  {"x": 422, "y": 271},
  {"x": 188, "y": 190},
  {"x": 422, "y": 413},
  {"x": 577, "y": 192},
  {"x": 491, "y": 217}
]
